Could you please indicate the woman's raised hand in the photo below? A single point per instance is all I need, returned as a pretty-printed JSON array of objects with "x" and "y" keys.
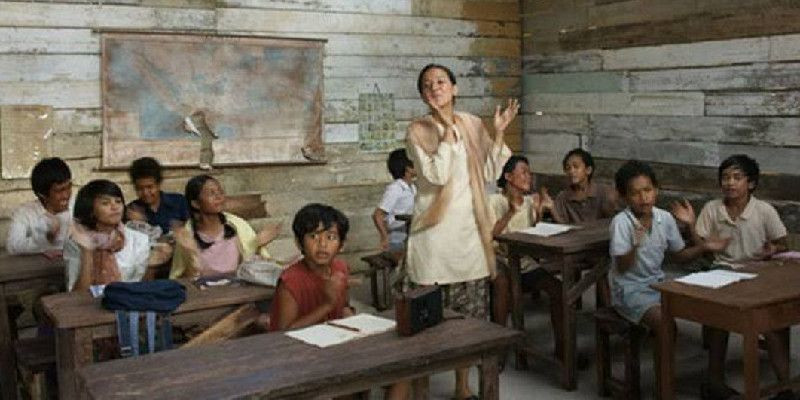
[{"x": 502, "y": 118}]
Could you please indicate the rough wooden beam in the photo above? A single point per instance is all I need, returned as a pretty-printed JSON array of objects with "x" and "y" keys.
[{"x": 781, "y": 18}]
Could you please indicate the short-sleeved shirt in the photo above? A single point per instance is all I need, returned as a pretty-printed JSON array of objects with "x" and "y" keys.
[
  {"x": 398, "y": 199},
  {"x": 308, "y": 290},
  {"x": 663, "y": 236},
  {"x": 598, "y": 204},
  {"x": 523, "y": 218},
  {"x": 173, "y": 207},
  {"x": 758, "y": 224}
]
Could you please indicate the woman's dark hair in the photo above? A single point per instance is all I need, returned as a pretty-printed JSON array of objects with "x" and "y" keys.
[
  {"x": 47, "y": 173},
  {"x": 84, "y": 201},
  {"x": 308, "y": 219},
  {"x": 743, "y": 162},
  {"x": 630, "y": 170},
  {"x": 587, "y": 158},
  {"x": 432, "y": 66},
  {"x": 398, "y": 162},
  {"x": 192, "y": 193},
  {"x": 145, "y": 167},
  {"x": 509, "y": 168}
]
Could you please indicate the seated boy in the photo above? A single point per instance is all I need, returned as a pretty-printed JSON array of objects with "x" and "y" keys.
[
  {"x": 314, "y": 289},
  {"x": 41, "y": 225},
  {"x": 152, "y": 205},
  {"x": 398, "y": 199},
  {"x": 756, "y": 233},
  {"x": 582, "y": 200},
  {"x": 640, "y": 235}
]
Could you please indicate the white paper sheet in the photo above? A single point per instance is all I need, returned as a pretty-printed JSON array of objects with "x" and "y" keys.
[
  {"x": 714, "y": 279},
  {"x": 547, "y": 229},
  {"x": 323, "y": 335},
  {"x": 366, "y": 323}
]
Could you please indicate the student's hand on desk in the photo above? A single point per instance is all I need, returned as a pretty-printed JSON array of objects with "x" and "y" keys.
[
  {"x": 716, "y": 244},
  {"x": 268, "y": 234},
  {"x": 683, "y": 212}
]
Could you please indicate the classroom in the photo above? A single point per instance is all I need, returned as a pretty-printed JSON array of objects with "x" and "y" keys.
[{"x": 399, "y": 199}]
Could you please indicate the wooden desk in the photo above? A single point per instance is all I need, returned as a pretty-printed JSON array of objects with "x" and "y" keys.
[
  {"x": 18, "y": 274},
  {"x": 567, "y": 252},
  {"x": 275, "y": 366},
  {"x": 769, "y": 302},
  {"x": 79, "y": 319}
]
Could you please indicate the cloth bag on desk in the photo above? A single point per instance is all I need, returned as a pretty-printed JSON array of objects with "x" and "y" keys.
[
  {"x": 156, "y": 299},
  {"x": 260, "y": 272}
]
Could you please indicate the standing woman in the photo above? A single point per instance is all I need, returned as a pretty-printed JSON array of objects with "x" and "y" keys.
[{"x": 450, "y": 242}]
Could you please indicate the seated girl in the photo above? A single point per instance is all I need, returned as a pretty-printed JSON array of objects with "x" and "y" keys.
[
  {"x": 214, "y": 242},
  {"x": 515, "y": 210},
  {"x": 100, "y": 249}
]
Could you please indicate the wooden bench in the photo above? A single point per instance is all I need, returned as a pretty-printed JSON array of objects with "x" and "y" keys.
[{"x": 35, "y": 356}]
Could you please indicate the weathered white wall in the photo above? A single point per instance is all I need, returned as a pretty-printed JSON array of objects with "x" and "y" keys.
[{"x": 49, "y": 54}]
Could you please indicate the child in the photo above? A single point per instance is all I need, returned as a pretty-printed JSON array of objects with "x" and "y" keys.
[
  {"x": 214, "y": 242},
  {"x": 640, "y": 235},
  {"x": 154, "y": 206},
  {"x": 41, "y": 225},
  {"x": 398, "y": 199},
  {"x": 583, "y": 200},
  {"x": 314, "y": 289},
  {"x": 100, "y": 249},
  {"x": 513, "y": 210},
  {"x": 756, "y": 233}
]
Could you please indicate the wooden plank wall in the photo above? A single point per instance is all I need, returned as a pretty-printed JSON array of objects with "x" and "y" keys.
[
  {"x": 49, "y": 54},
  {"x": 680, "y": 83}
]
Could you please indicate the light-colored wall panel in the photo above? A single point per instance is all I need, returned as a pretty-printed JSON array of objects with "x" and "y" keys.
[
  {"x": 710, "y": 53},
  {"x": 663, "y": 103}
]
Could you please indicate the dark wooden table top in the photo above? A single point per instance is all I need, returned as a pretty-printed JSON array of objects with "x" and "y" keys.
[
  {"x": 80, "y": 309},
  {"x": 778, "y": 281},
  {"x": 274, "y": 365},
  {"x": 15, "y": 268},
  {"x": 585, "y": 237}
]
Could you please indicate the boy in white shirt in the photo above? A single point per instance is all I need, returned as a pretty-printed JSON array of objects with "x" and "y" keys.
[
  {"x": 41, "y": 225},
  {"x": 398, "y": 199}
]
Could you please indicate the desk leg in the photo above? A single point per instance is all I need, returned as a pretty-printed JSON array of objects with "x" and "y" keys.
[
  {"x": 517, "y": 315},
  {"x": 750, "y": 356},
  {"x": 490, "y": 377},
  {"x": 8, "y": 360},
  {"x": 569, "y": 341},
  {"x": 73, "y": 350},
  {"x": 665, "y": 382},
  {"x": 419, "y": 388}
]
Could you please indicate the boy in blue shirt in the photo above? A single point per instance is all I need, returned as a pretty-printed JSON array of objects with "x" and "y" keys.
[
  {"x": 152, "y": 205},
  {"x": 640, "y": 236}
]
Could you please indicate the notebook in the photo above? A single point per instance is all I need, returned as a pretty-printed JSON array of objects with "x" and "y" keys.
[{"x": 342, "y": 330}]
